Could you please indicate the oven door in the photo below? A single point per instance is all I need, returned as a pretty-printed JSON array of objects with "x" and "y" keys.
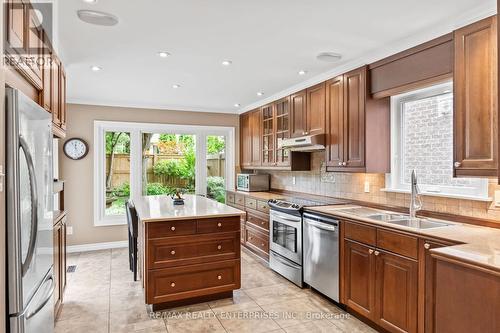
[{"x": 286, "y": 235}]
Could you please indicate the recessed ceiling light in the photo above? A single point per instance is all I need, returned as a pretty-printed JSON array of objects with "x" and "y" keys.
[
  {"x": 237, "y": 105},
  {"x": 97, "y": 18},
  {"x": 329, "y": 56},
  {"x": 260, "y": 93},
  {"x": 302, "y": 72},
  {"x": 90, "y": 1},
  {"x": 226, "y": 62},
  {"x": 176, "y": 86},
  {"x": 163, "y": 54},
  {"x": 96, "y": 68}
]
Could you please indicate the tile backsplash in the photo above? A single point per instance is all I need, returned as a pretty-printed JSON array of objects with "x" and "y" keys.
[{"x": 352, "y": 186}]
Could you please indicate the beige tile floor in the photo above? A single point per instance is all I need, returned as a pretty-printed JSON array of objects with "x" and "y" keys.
[{"x": 101, "y": 297}]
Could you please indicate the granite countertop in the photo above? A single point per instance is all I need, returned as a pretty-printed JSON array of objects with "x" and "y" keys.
[
  {"x": 161, "y": 208},
  {"x": 480, "y": 245},
  {"x": 261, "y": 195}
]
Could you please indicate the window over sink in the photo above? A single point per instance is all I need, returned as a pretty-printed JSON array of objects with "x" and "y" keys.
[{"x": 422, "y": 139}]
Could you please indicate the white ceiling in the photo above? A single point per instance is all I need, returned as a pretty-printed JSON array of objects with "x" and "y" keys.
[{"x": 269, "y": 41}]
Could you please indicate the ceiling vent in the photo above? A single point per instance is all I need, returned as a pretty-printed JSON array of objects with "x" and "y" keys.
[
  {"x": 329, "y": 56},
  {"x": 97, "y": 18}
]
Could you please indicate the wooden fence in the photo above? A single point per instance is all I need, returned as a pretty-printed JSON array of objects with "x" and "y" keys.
[{"x": 121, "y": 169}]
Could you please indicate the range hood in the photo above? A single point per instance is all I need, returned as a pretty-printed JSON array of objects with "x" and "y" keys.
[{"x": 304, "y": 143}]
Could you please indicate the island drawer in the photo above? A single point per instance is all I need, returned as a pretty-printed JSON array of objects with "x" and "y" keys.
[
  {"x": 189, "y": 250},
  {"x": 257, "y": 220},
  {"x": 263, "y": 206},
  {"x": 218, "y": 224},
  {"x": 170, "y": 284},
  {"x": 256, "y": 239},
  {"x": 360, "y": 233},
  {"x": 395, "y": 242},
  {"x": 170, "y": 228}
]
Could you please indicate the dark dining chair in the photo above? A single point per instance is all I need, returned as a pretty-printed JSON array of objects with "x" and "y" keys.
[{"x": 133, "y": 222}]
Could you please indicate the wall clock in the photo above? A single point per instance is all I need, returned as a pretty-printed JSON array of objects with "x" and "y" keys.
[{"x": 76, "y": 148}]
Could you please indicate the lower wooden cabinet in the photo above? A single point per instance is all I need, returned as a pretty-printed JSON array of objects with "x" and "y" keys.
[{"x": 59, "y": 243}]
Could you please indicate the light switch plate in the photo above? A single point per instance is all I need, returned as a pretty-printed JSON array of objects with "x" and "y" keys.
[
  {"x": 69, "y": 230},
  {"x": 497, "y": 198},
  {"x": 294, "y": 181},
  {"x": 367, "y": 186}
]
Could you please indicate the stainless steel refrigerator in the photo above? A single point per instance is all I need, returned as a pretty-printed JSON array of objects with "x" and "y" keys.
[{"x": 30, "y": 281}]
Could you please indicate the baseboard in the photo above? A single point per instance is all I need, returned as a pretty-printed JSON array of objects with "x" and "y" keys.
[{"x": 96, "y": 246}]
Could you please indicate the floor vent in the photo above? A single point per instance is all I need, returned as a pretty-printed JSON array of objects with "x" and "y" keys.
[{"x": 71, "y": 269}]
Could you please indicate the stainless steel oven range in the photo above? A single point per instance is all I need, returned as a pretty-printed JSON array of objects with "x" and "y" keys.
[{"x": 285, "y": 228}]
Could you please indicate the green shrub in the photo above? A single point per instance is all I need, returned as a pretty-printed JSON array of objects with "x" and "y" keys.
[
  {"x": 158, "y": 189},
  {"x": 122, "y": 190},
  {"x": 216, "y": 188},
  {"x": 171, "y": 168}
]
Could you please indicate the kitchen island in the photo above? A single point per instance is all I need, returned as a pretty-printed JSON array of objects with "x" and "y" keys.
[{"x": 187, "y": 253}]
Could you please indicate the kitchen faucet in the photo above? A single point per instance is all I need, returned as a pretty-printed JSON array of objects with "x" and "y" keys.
[{"x": 415, "y": 201}]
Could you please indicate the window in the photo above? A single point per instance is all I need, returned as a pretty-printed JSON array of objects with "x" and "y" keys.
[
  {"x": 134, "y": 159},
  {"x": 422, "y": 140}
]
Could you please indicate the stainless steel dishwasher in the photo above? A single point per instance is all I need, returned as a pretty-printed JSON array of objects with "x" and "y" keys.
[{"x": 321, "y": 254}]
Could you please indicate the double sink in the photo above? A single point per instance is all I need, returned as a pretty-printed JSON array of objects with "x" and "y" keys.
[{"x": 394, "y": 218}]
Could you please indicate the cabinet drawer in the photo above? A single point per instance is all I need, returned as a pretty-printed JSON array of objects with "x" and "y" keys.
[
  {"x": 239, "y": 199},
  {"x": 258, "y": 221},
  {"x": 230, "y": 197},
  {"x": 256, "y": 239},
  {"x": 170, "y": 252},
  {"x": 263, "y": 206},
  {"x": 170, "y": 228},
  {"x": 170, "y": 284},
  {"x": 360, "y": 233},
  {"x": 404, "y": 245},
  {"x": 212, "y": 225},
  {"x": 251, "y": 203}
]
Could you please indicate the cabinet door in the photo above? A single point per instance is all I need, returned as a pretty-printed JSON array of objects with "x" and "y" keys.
[
  {"x": 62, "y": 106},
  {"x": 35, "y": 48},
  {"x": 359, "y": 278},
  {"x": 47, "y": 84},
  {"x": 396, "y": 292},
  {"x": 335, "y": 122},
  {"x": 315, "y": 111},
  {"x": 246, "y": 140},
  {"x": 354, "y": 118},
  {"x": 298, "y": 110},
  {"x": 62, "y": 251},
  {"x": 282, "y": 112},
  {"x": 255, "y": 126},
  {"x": 57, "y": 232},
  {"x": 56, "y": 113},
  {"x": 268, "y": 133},
  {"x": 475, "y": 94},
  {"x": 17, "y": 25}
]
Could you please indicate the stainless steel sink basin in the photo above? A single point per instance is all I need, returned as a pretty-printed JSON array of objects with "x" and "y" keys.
[
  {"x": 388, "y": 217},
  {"x": 419, "y": 223}
]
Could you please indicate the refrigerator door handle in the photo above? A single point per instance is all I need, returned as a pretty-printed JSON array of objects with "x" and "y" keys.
[
  {"x": 46, "y": 299},
  {"x": 34, "y": 205}
]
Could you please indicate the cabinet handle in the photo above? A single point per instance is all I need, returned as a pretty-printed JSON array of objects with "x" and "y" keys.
[
  {"x": 262, "y": 245},
  {"x": 219, "y": 247},
  {"x": 173, "y": 228},
  {"x": 172, "y": 252},
  {"x": 172, "y": 284},
  {"x": 427, "y": 246},
  {"x": 344, "y": 163},
  {"x": 457, "y": 164},
  {"x": 370, "y": 251},
  {"x": 377, "y": 253},
  {"x": 250, "y": 238},
  {"x": 219, "y": 224},
  {"x": 340, "y": 163},
  {"x": 262, "y": 223},
  {"x": 219, "y": 277}
]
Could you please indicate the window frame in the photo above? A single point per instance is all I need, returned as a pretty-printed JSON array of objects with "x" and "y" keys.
[
  {"x": 136, "y": 130},
  {"x": 394, "y": 181}
]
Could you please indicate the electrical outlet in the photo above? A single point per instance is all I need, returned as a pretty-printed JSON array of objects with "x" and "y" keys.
[
  {"x": 497, "y": 198},
  {"x": 294, "y": 181},
  {"x": 367, "y": 186},
  {"x": 69, "y": 230}
]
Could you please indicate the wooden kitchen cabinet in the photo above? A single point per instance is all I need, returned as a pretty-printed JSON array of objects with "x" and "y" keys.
[
  {"x": 315, "y": 110},
  {"x": 359, "y": 278},
  {"x": 475, "y": 99},
  {"x": 282, "y": 114},
  {"x": 60, "y": 264},
  {"x": 250, "y": 139},
  {"x": 396, "y": 292},
  {"x": 55, "y": 89},
  {"x": 255, "y": 117},
  {"x": 335, "y": 122},
  {"x": 46, "y": 94},
  {"x": 298, "y": 110},
  {"x": 268, "y": 135}
]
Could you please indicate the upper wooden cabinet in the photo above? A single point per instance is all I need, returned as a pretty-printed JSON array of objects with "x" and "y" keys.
[
  {"x": 250, "y": 139},
  {"x": 298, "y": 110},
  {"x": 475, "y": 99},
  {"x": 255, "y": 128},
  {"x": 315, "y": 111},
  {"x": 335, "y": 122},
  {"x": 282, "y": 114},
  {"x": 268, "y": 135}
]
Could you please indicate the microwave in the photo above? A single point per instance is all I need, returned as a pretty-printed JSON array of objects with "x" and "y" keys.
[{"x": 252, "y": 182}]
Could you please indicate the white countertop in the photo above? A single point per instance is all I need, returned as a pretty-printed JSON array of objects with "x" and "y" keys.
[{"x": 162, "y": 208}]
